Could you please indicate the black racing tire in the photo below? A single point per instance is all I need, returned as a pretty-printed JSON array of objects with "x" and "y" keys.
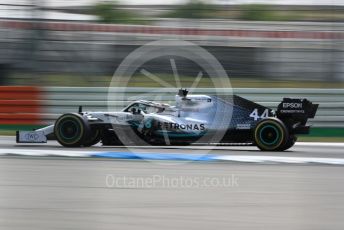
[
  {"x": 270, "y": 134},
  {"x": 290, "y": 143},
  {"x": 93, "y": 138},
  {"x": 70, "y": 130}
]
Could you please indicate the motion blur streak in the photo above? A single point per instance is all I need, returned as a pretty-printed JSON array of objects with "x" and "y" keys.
[
  {"x": 56, "y": 55},
  {"x": 43, "y": 44}
]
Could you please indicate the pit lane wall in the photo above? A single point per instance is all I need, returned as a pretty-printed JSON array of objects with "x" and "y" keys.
[{"x": 31, "y": 107}]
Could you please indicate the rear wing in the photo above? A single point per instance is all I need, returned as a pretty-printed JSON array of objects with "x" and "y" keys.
[
  {"x": 295, "y": 113},
  {"x": 301, "y": 108}
]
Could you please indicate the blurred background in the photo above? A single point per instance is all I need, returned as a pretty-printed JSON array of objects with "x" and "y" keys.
[{"x": 49, "y": 44}]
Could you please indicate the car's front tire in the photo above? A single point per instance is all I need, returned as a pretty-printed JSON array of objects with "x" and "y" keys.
[
  {"x": 271, "y": 135},
  {"x": 71, "y": 130},
  {"x": 93, "y": 138}
]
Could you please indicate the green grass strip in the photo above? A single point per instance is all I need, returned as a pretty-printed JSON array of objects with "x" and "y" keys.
[{"x": 326, "y": 132}]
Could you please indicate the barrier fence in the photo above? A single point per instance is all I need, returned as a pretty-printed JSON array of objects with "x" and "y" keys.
[
  {"x": 278, "y": 50},
  {"x": 141, "y": 29},
  {"x": 20, "y": 105},
  {"x": 33, "y": 106}
]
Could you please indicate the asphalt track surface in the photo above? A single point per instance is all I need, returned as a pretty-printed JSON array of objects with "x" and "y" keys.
[{"x": 96, "y": 193}]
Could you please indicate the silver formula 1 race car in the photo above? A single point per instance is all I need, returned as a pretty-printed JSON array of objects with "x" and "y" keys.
[{"x": 194, "y": 119}]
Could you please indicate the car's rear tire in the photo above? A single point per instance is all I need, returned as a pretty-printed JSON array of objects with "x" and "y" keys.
[
  {"x": 71, "y": 130},
  {"x": 270, "y": 135},
  {"x": 290, "y": 143}
]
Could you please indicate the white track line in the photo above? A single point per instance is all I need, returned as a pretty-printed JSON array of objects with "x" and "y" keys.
[
  {"x": 231, "y": 158},
  {"x": 273, "y": 159},
  {"x": 210, "y": 147},
  {"x": 325, "y": 144},
  {"x": 40, "y": 152}
]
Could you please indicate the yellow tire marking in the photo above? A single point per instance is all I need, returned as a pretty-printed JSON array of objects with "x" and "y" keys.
[
  {"x": 274, "y": 123},
  {"x": 81, "y": 128}
]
